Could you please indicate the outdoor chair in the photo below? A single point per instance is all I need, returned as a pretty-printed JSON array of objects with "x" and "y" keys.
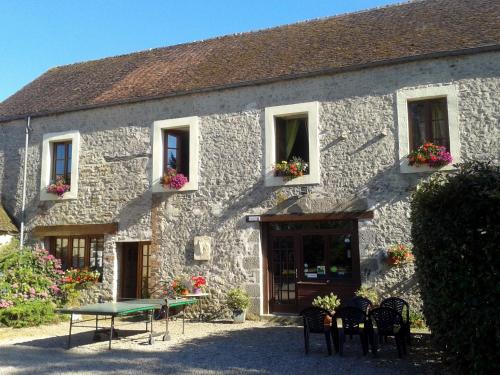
[
  {"x": 403, "y": 308},
  {"x": 317, "y": 320},
  {"x": 353, "y": 322},
  {"x": 361, "y": 302},
  {"x": 386, "y": 322}
]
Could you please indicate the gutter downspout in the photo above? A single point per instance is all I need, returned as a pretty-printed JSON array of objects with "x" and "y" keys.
[{"x": 23, "y": 207}]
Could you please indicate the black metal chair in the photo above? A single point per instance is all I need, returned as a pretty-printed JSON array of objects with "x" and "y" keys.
[
  {"x": 317, "y": 320},
  {"x": 354, "y": 322},
  {"x": 386, "y": 322},
  {"x": 361, "y": 302},
  {"x": 403, "y": 308}
]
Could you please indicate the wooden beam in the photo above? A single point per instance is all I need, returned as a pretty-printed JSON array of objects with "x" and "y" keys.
[
  {"x": 72, "y": 230},
  {"x": 315, "y": 217}
]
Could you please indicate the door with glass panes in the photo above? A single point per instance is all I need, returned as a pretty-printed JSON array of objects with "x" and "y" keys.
[{"x": 307, "y": 259}]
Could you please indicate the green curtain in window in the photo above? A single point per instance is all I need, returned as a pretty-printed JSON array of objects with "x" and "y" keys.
[{"x": 292, "y": 128}]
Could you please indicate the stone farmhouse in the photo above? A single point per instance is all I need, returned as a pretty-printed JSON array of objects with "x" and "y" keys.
[{"x": 350, "y": 95}]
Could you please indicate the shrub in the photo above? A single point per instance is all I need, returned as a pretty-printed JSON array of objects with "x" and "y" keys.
[
  {"x": 369, "y": 293},
  {"x": 237, "y": 299},
  {"x": 456, "y": 236},
  {"x": 329, "y": 302},
  {"x": 28, "y": 314}
]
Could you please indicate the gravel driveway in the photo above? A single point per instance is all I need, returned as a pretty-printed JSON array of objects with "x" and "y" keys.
[{"x": 205, "y": 348}]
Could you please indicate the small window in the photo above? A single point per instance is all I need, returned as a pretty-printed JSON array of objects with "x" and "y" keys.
[
  {"x": 61, "y": 162},
  {"x": 176, "y": 146},
  {"x": 428, "y": 122},
  {"x": 292, "y": 140},
  {"x": 175, "y": 151}
]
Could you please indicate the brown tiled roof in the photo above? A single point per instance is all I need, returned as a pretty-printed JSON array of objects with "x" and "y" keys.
[
  {"x": 6, "y": 225},
  {"x": 420, "y": 29}
]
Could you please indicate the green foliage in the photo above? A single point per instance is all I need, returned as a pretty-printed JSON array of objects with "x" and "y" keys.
[
  {"x": 28, "y": 314},
  {"x": 417, "y": 320},
  {"x": 237, "y": 299},
  {"x": 456, "y": 237},
  {"x": 329, "y": 302},
  {"x": 369, "y": 293}
]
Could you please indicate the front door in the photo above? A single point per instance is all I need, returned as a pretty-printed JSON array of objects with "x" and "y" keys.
[
  {"x": 307, "y": 259},
  {"x": 129, "y": 268}
]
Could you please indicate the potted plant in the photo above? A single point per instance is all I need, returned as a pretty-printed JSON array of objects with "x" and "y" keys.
[
  {"x": 238, "y": 302},
  {"x": 198, "y": 283},
  {"x": 430, "y": 154},
  {"x": 180, "y": 286},
  {"x": 329, "y": 302},
  {"x": 399, "y": 253}
]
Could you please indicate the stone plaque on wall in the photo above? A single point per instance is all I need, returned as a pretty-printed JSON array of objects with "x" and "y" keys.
[{"x": 202, "y": 247}]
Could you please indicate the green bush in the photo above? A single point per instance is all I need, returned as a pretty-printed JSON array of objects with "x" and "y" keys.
[
  {"x": 238, "y": 299},
  {"x": 456, "y": 237},
  {"x": 369, "y": 293},
  {"x": 28, "y": 314}
]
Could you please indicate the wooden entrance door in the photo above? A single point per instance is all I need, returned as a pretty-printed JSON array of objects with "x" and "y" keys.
[
  {"x": 129, "y": 269},
  {"x": 283, "y": 264},
  {"x": 307, "y": 259}
]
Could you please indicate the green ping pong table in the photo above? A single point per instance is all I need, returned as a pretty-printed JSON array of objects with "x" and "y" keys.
[{"x": 128, "y": 308}]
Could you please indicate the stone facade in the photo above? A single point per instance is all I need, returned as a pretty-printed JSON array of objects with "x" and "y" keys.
[{"x": 358, "y": 158}]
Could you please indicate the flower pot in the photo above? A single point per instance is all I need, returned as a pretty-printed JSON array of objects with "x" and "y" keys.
[
  {"x": 185, "y": 292},
  {"x": 239, "y": 316},
  {"x": 197, "y": 290}
]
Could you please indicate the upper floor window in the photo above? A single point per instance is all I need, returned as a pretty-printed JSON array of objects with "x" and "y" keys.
[
  {"x": 60, "y": 154},
  {"x": 428, "y": 122},
  {"x": 427, "y": 115},
  {"x": 61, "y": 162},
  {"x": 176, "y": 146},
  {"x": 292, "y": 144},
  {"x": 292, "y": 138},
  {"x": 175, "y": 154}
]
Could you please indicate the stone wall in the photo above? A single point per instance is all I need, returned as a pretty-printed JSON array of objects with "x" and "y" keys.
[{"x": 358, "y": 156}]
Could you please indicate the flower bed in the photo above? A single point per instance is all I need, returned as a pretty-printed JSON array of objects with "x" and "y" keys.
[{"x": 430, "y": 154}]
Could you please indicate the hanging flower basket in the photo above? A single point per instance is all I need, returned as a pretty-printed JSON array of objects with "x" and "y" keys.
[
  {"x": 430, "y": 154},
  {"x": 399, "y": 253},
  {"x": 296, "y": 167},
  {"x": 59, "y": 187},
  {"x": 173, "y": 180}
]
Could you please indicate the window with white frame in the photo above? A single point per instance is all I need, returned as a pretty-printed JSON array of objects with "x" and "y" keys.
[
  {"x": 175, "y": 154},
  {"x": 427, "y": 115},
  {"x": 60, "y": 154},
  {"x": 292, "y": 144}
]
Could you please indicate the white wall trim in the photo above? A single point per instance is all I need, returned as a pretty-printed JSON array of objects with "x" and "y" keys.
[
  {"x": 450, "y": 92},
  {"x": 312, "y": 111},
  {"x": 48, "y": 139},
  {"x": 157, "y": 173}
]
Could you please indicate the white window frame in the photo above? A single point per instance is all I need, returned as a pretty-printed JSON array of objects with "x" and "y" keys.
[
  {"x": 47, "y": 154},
  {"x": 403, "y": 96},
  {"x": 311, "y": 109},
  {"x": 192, "y": 123}
]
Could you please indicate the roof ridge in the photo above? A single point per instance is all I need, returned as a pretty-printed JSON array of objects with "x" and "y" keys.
[{"x": 219, "y": 37}]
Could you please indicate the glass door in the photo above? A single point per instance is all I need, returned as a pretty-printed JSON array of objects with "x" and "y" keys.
[{"x": 283, "y": 274}]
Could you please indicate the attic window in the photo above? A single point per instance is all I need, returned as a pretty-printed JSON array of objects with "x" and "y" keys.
[{"x": 291, "y": 138}]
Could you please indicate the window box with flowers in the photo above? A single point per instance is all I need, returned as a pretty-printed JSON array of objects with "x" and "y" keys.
[
  {"x": 294, "y": 168},
  {"x": 59, "y": 187},
  {"x": 430, "y": 154},
  {"x": 173, "y": 180}
]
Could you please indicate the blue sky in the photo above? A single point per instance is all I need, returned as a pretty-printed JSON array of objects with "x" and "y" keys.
[{"x": 38, "y": 35}]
